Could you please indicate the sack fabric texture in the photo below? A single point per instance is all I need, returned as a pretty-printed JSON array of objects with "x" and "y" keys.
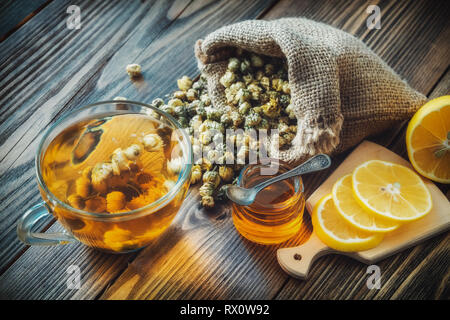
[{"x": 341, "y": 91}]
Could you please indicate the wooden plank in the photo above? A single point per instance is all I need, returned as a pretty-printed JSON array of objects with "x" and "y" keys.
[
  {"x": 40, "y": 78},
  {"x": 170, "y": 50},
  {"x": 420, "y": 272},
  {"x": 239, "y": 269},
  {"x": 14, "y": 14}
]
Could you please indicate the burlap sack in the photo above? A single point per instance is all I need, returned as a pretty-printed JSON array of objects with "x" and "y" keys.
[{"x": 342, "y": 92}]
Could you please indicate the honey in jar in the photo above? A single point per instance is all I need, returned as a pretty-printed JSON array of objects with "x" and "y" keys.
[{"x": 277, "y": 212}]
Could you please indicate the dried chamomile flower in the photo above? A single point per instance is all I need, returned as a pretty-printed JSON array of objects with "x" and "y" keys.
[
  {"x": 175, "y": 165},
  {"x": 208, "y": 202},
  {"x": 196, "y": 174},
  {"x": 134, "y": 70},
  {"x": 258, "y": 75},
  {"x": 204, "y": 163},
  {"x": 200, "y": 109},
  {"x": 265, "y": 82},
  {"x": 152, "y": 142},
  {"x": 205, "y": 99},
  {"x": 284, "y": 100},
  {"x": 286, "y": 88},
  {"x": 243, "y": 95},
  {"x": 207, "y": 189},
  {"x": 244, "y": 108},
  {"x": 133, "y": 152},
  {"x": 83, "y": 186},
  {"x": 255, "y": 91},
  {"x": 271, "y": 109},
  {"x": 185, "y": 83},
  {"x": 226, "y": 173},
  {"x": 252, "y": 120},
  {"x": 198, "y": 85},
  {"x": 277, "y": 84},
  {"x": 115, "y": 201},
  {"x": 263, "y": 125},
  {"x": 76, "y": 201},
  {"x": 256, "y": 61},
  {"x": 191, "y": 108},
  {"x": 100, "y": 174},
  {"x": 205, "y": 137},
  {"x": 283, "y": 127},
  {"x": 226, "y": 120},
  {"x": 179, "y": 95},
  {"x": 168, "y": 109},
  {"x": 213, "y": 177},
  {"x": 119, "y": 161},
  {"x": 269, "y": 69},
  {"x": 213, "y": 113},
  {"x": 227, "y": 79},
  {"x": 191, "y": 95},
  {"x": 175, "y": 102},
  {"x": 293, "y": 128},
  {"x": 237, "y": 118},
  {"x": 233, "y": 64},
  {"x": 157, "y": 102},
  {"x": 290, "y": 111},
  {"x": 248, "y": 78},
  {"x": 96, "y": 204},
  {"x": 245, "y": 66},
  {"x": 213, "y": 155},
  {"x": 197, "y": 150},
  {"x": 195, "y": 122}
]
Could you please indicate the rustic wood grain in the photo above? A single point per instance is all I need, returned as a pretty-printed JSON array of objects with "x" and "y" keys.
[
  {"x": 40, "y": 78},
  {"x": 161, "y": 40},
  {"x": 193, "y": 276},
  {"x": 201, "y": 256},
  {"x": 15, "y": 13}
]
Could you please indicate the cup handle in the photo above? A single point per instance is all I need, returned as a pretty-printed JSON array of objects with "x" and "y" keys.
[{"x": 30, "y": 218}]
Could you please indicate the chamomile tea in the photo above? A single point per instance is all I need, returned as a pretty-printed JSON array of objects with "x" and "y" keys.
[{"x": 115, "y": 165}]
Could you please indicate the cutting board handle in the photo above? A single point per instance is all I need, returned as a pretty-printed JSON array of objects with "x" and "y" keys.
[{"x": 296, "y": 261}]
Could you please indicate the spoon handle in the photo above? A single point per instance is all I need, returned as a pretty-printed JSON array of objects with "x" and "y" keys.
[{"x": 316, "y": 163}]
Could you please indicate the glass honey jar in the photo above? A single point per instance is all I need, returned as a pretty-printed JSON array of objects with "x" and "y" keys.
[{"x": 277, "y": 212}]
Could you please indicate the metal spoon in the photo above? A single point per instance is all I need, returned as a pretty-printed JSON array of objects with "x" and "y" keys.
[{"x": 246, "y": 197}]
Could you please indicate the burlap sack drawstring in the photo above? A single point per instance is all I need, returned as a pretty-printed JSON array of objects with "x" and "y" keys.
[{"x": 341, "y": 91}]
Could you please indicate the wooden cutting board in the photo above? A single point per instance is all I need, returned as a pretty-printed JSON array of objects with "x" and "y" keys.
[{"x": 297, "y": 260}]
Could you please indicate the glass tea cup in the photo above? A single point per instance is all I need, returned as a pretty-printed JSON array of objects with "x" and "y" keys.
[
  {"x": 276, "y": 215},
  {"x": 125, "y": 230}
]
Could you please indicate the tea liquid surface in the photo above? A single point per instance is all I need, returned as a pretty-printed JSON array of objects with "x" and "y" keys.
[{"x": 86, "y": 164}]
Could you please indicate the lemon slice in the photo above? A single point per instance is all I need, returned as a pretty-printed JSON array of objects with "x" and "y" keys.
[
  {"x": 336, "y": 232},
  {"x": 391, "y": 191},
  {"x": 428, "y": 140},
  {"x": 350, "y": 210}
]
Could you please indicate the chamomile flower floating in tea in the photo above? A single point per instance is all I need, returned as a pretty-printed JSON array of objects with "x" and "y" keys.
[{"x": 112, "y": 165}]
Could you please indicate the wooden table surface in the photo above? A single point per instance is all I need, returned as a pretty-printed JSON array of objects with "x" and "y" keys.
[{"x": 48, "y": 69}]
